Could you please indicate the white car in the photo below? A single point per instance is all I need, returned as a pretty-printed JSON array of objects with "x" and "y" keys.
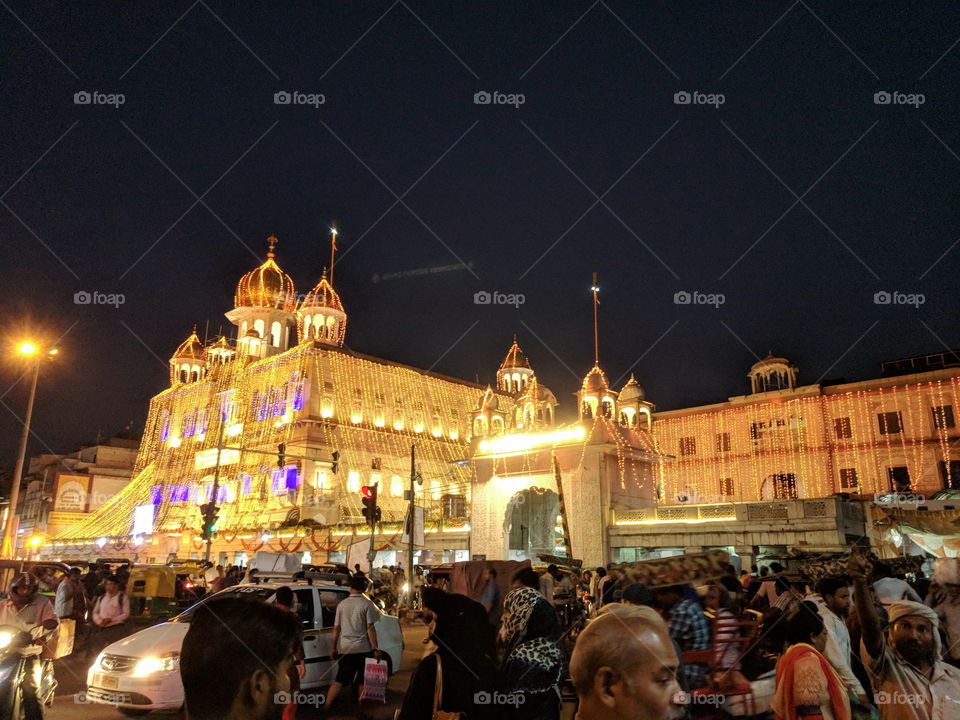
[{"x": 142, "y": 672}]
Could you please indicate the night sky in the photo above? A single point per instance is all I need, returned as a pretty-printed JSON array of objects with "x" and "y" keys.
[{"x": 798, "y": 198}]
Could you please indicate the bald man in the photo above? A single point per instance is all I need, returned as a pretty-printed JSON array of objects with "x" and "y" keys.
[{"x": 624, "y": 667}]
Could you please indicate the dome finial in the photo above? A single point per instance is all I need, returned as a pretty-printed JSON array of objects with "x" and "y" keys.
[{"x": 271, "y": 244}]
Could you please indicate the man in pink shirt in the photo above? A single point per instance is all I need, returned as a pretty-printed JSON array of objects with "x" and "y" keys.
[{"x": 110, "y": 613}]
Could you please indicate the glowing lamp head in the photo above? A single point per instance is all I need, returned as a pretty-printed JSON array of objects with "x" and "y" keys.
[
  {"x": 367, "y": 491},
  {"x": 35, "y": 541},
  {"x": 53, "y": 351},
  {"x": 27, "y": 348}
]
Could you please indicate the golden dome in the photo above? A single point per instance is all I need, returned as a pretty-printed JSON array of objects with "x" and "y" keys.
[
  {"x": 632, "y": 391},
  {"x": 323, "y": 295},
  {"x": 515, "y": 357},
  {"x": 190, "y": 348},
  {"x": 267, "y": 286},
  {"x": 595, "y": 381},
  {"x": 536, "y": 393},
  {"x": 488, "y": 401}
]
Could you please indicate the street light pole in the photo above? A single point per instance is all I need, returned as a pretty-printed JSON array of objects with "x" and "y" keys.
[{"x": 10, "y": 529}]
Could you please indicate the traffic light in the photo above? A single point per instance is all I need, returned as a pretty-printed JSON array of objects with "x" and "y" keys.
[
  {"x": 369, "y": 498},
  {"x": 209, "y": 513},
  {"x": 335, "y": 465},
  {"x": 281, "y": 455}
]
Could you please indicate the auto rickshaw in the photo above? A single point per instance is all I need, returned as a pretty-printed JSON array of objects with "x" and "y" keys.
[{"x": 162, "y": 591}]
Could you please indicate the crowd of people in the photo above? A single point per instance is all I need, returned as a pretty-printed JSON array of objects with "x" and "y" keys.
[{"x": 770, "y": 642}]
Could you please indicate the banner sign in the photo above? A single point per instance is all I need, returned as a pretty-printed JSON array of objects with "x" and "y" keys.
[{"x": 698, "y": 569}]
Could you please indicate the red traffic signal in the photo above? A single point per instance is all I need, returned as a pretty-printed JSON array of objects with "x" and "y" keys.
[{"x": 367, "y": 491}]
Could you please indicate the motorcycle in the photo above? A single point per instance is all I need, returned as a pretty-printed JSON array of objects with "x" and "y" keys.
[{"x": 27, "y": 683}]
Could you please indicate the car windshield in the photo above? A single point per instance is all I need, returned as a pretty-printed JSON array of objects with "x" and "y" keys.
[{"x": 254, "y": 591}]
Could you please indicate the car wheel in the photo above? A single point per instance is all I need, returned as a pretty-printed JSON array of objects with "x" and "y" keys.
[{"x": 131, "y": 712}]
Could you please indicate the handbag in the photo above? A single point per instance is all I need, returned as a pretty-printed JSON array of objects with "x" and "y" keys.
[{"x": 439, "y": 714}]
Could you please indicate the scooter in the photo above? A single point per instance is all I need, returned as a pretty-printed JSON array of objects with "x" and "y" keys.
[{"x": 27, "y": 683}]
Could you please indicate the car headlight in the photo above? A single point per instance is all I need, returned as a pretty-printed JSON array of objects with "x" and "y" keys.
[
  {"x": 5, "y": 638},
  {"x": 150, "y": 665}
]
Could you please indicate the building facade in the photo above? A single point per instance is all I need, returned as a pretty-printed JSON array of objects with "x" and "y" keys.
[
  {"x": 60, "y": 490},
  {"x": 280, "y": 426}
]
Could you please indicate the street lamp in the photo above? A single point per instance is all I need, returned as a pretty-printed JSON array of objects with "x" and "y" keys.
[{"x": 32, "y": 352}]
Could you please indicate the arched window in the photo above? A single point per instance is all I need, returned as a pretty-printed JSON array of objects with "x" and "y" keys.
[
  {"x": 497, "y": 425},
  {"x": 259, "y": 327},
  {"x": 318, "y": 327},
  {"x": 586, "y": 409},
  {"x": 480, "y": 426},
  {"x": 275, "y": 331},
  {"x": 307, "y": 330},
  {"x": 184, "y": 377}
]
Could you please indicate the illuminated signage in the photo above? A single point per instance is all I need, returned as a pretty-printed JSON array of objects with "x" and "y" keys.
[
  {"x": 143, "y": 519},
  {"x": 208, "y": 458},
  {"x": 527, "y": 441}
]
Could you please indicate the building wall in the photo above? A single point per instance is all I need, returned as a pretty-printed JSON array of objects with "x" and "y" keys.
[{"x": 796, "y": 433}]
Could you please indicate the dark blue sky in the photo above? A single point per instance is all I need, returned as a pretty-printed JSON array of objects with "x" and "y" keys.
[{"x": 703, "y": 199}]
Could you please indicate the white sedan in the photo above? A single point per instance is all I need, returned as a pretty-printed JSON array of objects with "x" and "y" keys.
[{"x": 141, "y": 672}]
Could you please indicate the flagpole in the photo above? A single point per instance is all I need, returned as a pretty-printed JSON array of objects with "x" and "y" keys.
[{"x": 333, "y": 249}]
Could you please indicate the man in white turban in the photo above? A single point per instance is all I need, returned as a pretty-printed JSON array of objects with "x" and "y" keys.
[{"x": 906, "y": 665}]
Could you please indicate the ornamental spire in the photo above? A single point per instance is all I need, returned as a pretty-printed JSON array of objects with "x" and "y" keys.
[{"x": 333, "y": 247}]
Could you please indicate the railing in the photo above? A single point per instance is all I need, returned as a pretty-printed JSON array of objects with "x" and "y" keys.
[{"x": 830, "y": 509}]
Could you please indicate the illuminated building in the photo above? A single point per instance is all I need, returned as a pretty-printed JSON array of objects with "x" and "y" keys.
[
  {"x": 287, "y": 379},
  {"x": 809, "y": 467},
  {"x": 787, "y": 467}
]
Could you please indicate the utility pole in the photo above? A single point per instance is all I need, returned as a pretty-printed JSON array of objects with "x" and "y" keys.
[
  {"x": 216, "y": 485},
  {"x": 372, "y": 512},
  {"x": 411, "y": 514},
  {"x": 10, "y": 530}
]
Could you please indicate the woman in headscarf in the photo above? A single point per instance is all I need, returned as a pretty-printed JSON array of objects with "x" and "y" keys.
[
  {"x": 461, "y": 658},
  {"x": 532, "y": 663},
  {"x": 807, "y": 685}
]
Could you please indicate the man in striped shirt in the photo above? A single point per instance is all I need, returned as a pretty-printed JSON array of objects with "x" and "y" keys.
[{"x": 686, "y": 624}]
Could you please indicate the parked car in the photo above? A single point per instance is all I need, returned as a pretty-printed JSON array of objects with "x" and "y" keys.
[{"x": 140, "y": 673}]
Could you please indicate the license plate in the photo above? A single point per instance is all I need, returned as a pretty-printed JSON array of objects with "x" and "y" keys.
[
  {"x": 114, "y": 697},
  {"x": 107, "y": 682}
]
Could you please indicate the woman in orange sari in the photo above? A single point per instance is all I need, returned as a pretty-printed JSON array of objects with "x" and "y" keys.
[{"x": 808, "y": 688}]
